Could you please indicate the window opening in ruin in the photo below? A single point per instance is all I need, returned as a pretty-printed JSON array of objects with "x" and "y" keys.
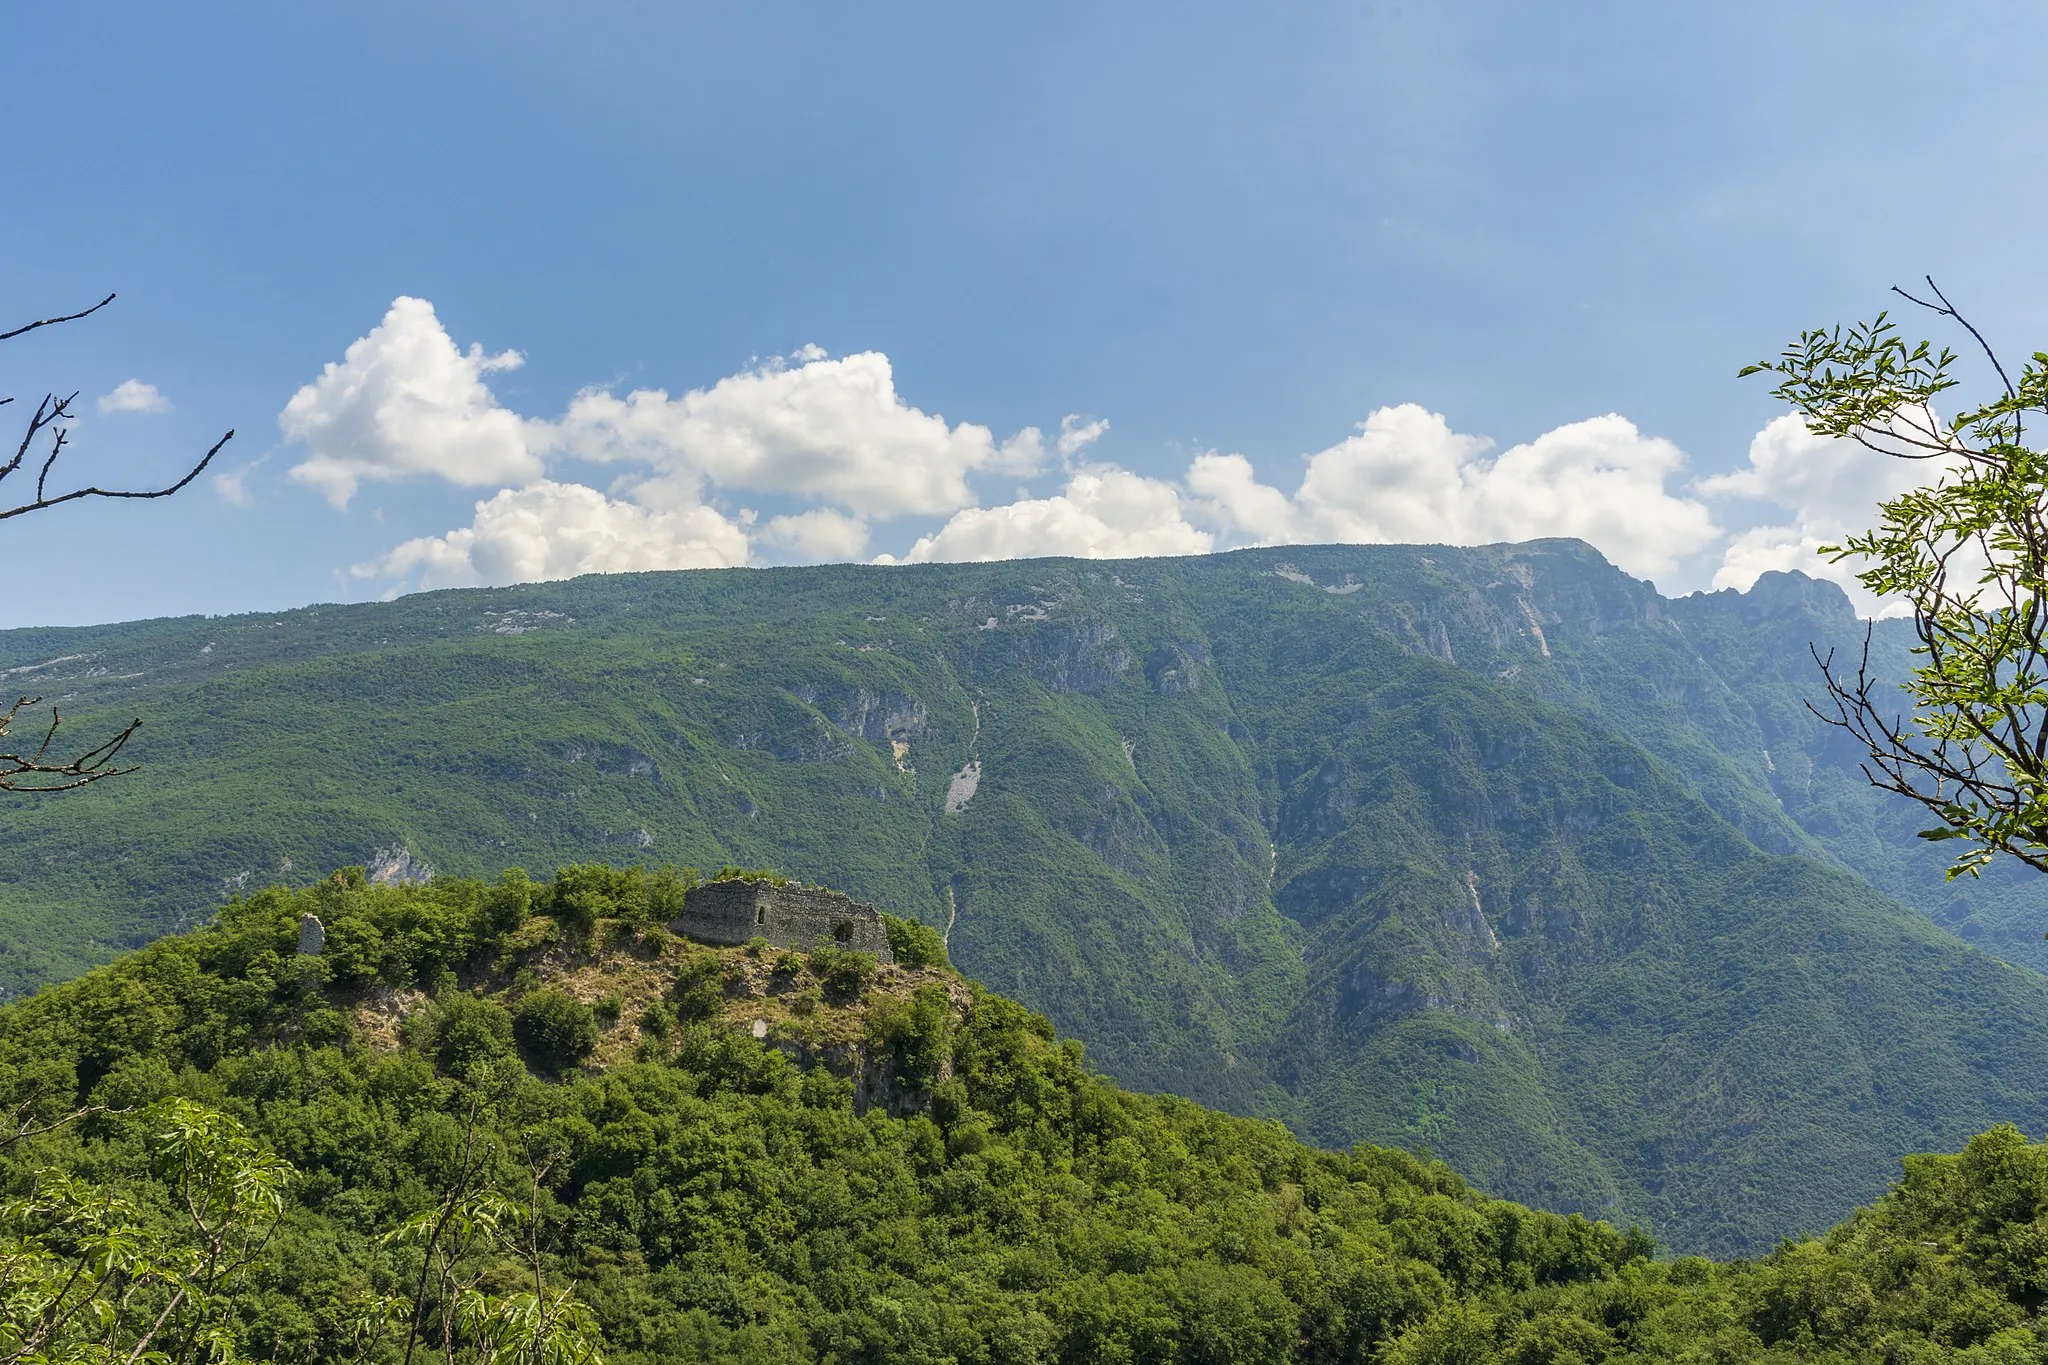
[
  {"x": 760, "y": 914},
  {"x": 843, "y": 931}
]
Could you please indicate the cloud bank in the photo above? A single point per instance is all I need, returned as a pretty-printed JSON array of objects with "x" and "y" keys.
[
  {"x": 554, "y": 530},
  {"x": 833, "y": 440},
  {"x": 1407, "y": 477},
  {"x": 835, "y": 430},
  {"x": 1100, "y": 514}
]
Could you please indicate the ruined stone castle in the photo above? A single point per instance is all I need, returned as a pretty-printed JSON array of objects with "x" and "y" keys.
[{"x": 789, "y": 916}]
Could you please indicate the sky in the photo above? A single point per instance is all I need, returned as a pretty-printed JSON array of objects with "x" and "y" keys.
[{"x": 508, "y": 291}]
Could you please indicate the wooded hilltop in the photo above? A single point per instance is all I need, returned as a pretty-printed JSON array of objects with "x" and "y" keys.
[{"x": 480, "y": 1090}]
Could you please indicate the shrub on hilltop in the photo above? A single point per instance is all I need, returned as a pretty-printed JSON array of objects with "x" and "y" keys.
[
  {"x": 914, "y": 944},
  {"x": 556, "y": 1031}
]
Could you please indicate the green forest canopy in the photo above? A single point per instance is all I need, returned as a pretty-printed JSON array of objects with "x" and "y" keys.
[
  {"x": 906, "y": 1168},
  {"x": 1232, "y": 818}
]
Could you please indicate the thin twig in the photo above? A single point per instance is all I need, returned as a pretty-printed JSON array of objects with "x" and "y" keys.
[
  {"x": 52, "y": 322},
  {"x": 42, "y": 503}
]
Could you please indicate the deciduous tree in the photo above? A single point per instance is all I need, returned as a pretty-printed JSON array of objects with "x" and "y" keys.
[{"x": 1967, "y": 552}]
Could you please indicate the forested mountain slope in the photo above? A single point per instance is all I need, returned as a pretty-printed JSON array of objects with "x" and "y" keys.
[
  {"x": 1472, "y": 849},
  {"x": 1761, "y": 639},
  {"x": 484, "y": 1110}
]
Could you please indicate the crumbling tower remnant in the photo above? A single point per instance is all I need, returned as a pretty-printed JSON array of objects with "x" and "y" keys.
[{"x": 790, "y": 915}]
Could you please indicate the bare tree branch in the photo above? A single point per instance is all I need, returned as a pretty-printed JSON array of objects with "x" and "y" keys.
[
  {"x": 50, "y": 417},
  {"x": 41, "y": 502},
  {"x": 52, "y": 322},
  {"x": 1941, "y": 775},
  {"x": 1945, "y": 309},
  {"x": 34, "y": 771},
  {"x": 48, "y": 429},
  {"x": 21, "y": 1123}
]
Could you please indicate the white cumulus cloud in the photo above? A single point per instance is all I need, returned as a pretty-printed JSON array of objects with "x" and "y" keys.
[
  {"x": 1407, "y": 477},
  {"x": 835, "y": 430},
  {"x": 837, "y": 450},
  {"x": 551, "y": 530},
  {"x": 406, "y": 400},
  {"x": 132, "y": 395},
  {"x": 1101, "y": 514}
]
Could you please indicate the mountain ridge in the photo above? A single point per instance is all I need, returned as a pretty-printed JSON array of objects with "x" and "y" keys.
[{"x": 1469, "y": 849}]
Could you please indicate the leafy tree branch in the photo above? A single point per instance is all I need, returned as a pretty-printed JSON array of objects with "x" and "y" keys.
[{"x": 1967, "y": 552}]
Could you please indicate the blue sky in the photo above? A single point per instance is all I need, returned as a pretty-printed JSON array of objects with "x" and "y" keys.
[{"x": 1225, "y": 232}]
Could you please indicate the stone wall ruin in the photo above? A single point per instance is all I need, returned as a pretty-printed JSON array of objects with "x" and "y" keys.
[{"x": 788, "y": 916}]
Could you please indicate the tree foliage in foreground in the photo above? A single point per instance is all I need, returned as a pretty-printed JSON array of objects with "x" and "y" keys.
[
  {"x": 219, "y": 1147},
  {"x": 1968, "y": 551}
]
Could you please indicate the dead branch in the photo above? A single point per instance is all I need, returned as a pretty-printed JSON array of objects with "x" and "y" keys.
[
  {"x": 46, "y": 439},
  {"x": 21, "y": 1124},
  {"x": 35, "y": 771},
  {"x": 47, "y": 426},
  {"x": 52, "y": 322}
]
